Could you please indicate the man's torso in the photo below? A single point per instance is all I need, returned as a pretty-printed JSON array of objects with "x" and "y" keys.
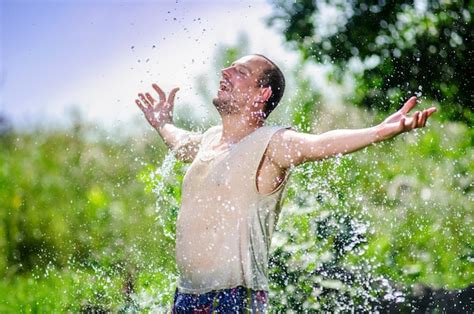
[
  {"x": 226, "y": 219},
  {"x": 269, "y": 175}
]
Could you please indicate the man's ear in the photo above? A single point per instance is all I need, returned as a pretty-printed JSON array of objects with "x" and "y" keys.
[{"x": 265, "y": 94}]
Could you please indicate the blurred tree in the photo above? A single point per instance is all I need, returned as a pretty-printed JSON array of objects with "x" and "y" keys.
[
  {"x": 5, "y": 125},
  {"x": 405, "y": 47}
]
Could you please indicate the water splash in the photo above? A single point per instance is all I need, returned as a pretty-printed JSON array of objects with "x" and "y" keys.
[
  {"x": 320, "y": 258},
  {"x": 161, "y": 177}
]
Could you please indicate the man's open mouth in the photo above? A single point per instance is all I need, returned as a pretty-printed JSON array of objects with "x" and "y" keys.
[{"x": 224, "y": 86}]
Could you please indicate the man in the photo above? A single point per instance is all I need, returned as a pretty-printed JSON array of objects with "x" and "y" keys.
[{"x": 232, "y": 190}]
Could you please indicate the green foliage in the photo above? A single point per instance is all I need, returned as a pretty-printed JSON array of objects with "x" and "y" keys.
[
  {"x": 79, "y": 222},
  {"x": 305, "y": 108},
  {"x": 87, "y": 221},
  {"x": 403, "y": 48},
  {"x": 58, "y": 290},
  {"x": 354, "y": 228},
  {"x": 72, "y": 200}
]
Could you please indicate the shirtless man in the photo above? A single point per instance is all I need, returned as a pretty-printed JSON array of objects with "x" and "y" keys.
[{"x": 233, "y": 189}]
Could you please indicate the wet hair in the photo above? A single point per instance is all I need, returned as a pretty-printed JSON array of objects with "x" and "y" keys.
[{"x": 273, "y": 77}]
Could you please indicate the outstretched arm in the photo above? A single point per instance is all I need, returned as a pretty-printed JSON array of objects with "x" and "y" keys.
[
  {"x": 160, "y": 116},
  {"x": 290, "y": 148}
]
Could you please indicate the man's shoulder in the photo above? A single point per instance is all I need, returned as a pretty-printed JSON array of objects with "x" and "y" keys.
[
  {"x": 211, "y": 132},
  {"x": 280, "y": 141},
  {"x": 275, "y": 128},
  {"x": 280, "y": 132},
  {"x": 214, "y": 128}
]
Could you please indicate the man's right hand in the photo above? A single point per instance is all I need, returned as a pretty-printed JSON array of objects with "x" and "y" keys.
[{"x": 158, "y": 113}]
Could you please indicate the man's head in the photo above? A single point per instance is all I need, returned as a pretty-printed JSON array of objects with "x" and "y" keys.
[{"x": 252, "y": 84}]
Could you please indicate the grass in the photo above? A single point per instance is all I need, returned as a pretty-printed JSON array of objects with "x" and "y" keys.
[{"x": 79, "y": 219}]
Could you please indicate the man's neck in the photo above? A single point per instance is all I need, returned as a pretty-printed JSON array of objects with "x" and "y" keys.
[{"x": 236, "y": 127}]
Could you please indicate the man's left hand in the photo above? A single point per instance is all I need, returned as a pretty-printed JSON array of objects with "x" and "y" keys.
[{"x": 400, "y": 122}]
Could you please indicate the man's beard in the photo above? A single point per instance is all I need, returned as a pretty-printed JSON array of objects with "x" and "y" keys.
[{"x": 226, "y": 107}]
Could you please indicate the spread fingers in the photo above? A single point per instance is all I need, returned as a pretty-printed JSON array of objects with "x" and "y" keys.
[
  {"x": 160, "y": 92},
  {"x": 139, "y": 104},
  {"x": 144, "y": 100}
]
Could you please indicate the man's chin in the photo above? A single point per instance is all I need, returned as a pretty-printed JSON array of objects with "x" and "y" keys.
[
  {"x": 219, "y": 101},
  {"x": 221, "y": 105}
]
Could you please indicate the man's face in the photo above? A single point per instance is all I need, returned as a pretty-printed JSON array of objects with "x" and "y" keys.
[{"x": 238, "y": 87}]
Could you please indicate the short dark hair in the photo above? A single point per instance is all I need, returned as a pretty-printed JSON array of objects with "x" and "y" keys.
[{"x": 273, "y": 77}]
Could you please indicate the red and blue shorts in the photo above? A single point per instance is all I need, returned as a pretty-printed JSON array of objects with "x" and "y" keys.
[{"x": 234, "y": 300}]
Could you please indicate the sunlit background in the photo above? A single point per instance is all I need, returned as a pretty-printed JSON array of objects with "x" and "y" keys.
[{"x": 89, "y": 193}]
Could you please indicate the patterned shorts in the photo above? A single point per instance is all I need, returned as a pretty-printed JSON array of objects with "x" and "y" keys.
[{"x": 234, "y": 300}]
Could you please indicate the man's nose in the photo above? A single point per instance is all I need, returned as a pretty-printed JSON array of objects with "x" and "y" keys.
[{"x": 225, "y": 73}]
